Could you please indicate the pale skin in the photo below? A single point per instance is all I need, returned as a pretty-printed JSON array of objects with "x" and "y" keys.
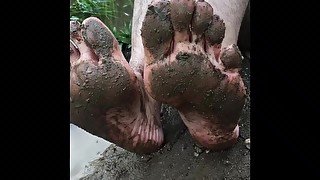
[{"x": 183, "y": 57}]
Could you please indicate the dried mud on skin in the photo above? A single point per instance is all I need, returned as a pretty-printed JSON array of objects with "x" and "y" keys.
[{"x": 179, "y": 158}]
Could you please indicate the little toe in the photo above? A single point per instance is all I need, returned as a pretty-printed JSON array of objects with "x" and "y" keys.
[{"x": 231, "y": 57}]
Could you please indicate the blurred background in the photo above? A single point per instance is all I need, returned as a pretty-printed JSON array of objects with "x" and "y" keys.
[{"x": 116, "y": 14}]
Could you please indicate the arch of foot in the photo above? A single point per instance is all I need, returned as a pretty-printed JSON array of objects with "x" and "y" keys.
[{"x": 189, "y": 70}]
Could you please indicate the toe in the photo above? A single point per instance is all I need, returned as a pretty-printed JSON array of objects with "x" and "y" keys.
[
  {"x": 216, "y": 31},
  {"x": 181, "y": 14},
  {"x": 78, "y": 48},
  {"x": 231, "y": 57},
  {"x": 202, "y": 17},
  {"x": 98, "y": 36},
  {"x": 157, "y": 31},
  {"x": 214, "y": 36},
  {"x": 75, "y": 31}
]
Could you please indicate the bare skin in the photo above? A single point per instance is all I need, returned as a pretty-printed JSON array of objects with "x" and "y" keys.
[
  {"x": 183, "y": 66},
  {"x": 107, "y": 97}
]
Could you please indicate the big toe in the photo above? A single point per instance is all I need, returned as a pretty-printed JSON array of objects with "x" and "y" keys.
[
  {"x": 98, "y": 36},
  {"x": 157, "y": 31}
]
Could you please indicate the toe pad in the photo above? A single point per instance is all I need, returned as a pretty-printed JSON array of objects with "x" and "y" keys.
[{"x": 231, "y": 57}]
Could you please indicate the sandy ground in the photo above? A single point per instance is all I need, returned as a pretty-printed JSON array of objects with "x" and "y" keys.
[{"x": 179, "y": 158}]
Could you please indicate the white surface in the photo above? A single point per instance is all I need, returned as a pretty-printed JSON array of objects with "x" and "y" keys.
[{"x": 84, "y": 148}]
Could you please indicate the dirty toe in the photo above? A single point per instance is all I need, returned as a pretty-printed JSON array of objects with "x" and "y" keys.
[
  {"x": 202, "y": 17},
  {"x": 181, "y": 14},
  {"x": 75, "y": 28},
  {"x": 99, "y": 37},
  {"x": 231, "y": 57},
  {"x": 216, "y": 31},
  {"x": 157, "y": 30}
]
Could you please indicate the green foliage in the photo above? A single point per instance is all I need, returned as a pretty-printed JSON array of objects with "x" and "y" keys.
[
  {"x": 108, "y": 11},
  {"x": 124, "y": 34}
]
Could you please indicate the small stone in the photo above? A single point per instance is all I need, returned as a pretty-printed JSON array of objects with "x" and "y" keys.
[
  {"x": 247, "y": 142},
  {"x": 195, "y": 154},
  {"x": 170, "y": 166},
  {"x": 169, "y": 147},
  {"x": 198, "y": 150},
  {"x": 207, "y": 151},
  {"x": 88, "y": 71},
  {"x": 227, "y": 162}
]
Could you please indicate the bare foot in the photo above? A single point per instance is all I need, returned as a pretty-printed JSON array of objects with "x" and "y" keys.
[
  {"x": 107, "y": 97},
  {"x": 186, "y": 68}
]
